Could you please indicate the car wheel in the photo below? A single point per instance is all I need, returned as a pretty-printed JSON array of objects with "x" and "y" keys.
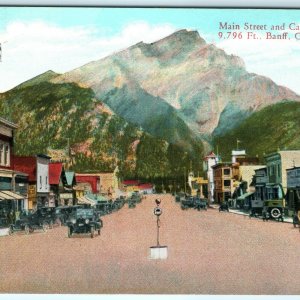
[
  {"x": 99, "y": 232},
  {"x": 27, "y": 229},
  {"x": 275, "y": 213},
  {"x": 92, "y": 232},
  {"x": 70, "y": 232}
]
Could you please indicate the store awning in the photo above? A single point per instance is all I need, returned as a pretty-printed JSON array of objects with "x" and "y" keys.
[
  {"x": 84, "y": 200},
  {"x": 244, "y": 196},
  {"x": 8, "y": 195}
]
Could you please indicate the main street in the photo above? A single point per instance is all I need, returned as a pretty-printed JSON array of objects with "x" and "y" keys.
[{"x": 209, "y": 253}]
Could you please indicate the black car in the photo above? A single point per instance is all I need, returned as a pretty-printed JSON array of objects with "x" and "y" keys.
[
  {"x": 200, "y": 203},
  {"x": 49, "y": 215},
  {"x": 224, "y": 206},
  {"x": 83, "y": 221},
  {"x": 187, "y": 202},
  {"x": 104, "y": 207},
  {"x": 29, "y": 222},
  {"x": 180, "y": 196},
  {"x": 118, "y": 203},
  {"x": 62, "y": 213}
]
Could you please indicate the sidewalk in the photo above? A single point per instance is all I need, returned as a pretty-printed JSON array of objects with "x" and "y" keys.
[{"x": 239, "y": 212}]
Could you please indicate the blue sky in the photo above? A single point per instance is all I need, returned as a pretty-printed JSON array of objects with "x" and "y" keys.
[{"x": 65, "y": 38}]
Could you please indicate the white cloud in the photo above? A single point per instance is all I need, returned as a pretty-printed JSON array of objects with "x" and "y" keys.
[
  {"x": 276, "y": 59},
  {"x": 35, "y": 47}
]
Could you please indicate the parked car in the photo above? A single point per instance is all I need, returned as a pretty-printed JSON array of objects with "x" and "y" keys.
[
  {"x": 49, "y": 215},
  {"x": 136, "y": 197},
  {"x": 273, "y": 209},
  {"x": 104, "y": 207},
  {"x": 200, "y": 203},
  {"x": 224, "y": 206},
  {"x": 83, "y": 221},
  {"x": 256, "y": 207},
  {"x": 63, "y": 212},
  {"x": 118, "y": 203},
  {"x": 187, "y": 202},
  {"x": 29, "y": 222},
  {"x": 180, "y": 196}
]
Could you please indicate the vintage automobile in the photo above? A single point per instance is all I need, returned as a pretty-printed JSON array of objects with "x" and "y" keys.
[
  {"x": 200, "y": 203},
  {"x": 49, "y": 215},
  {"x": 104, "y": 207},
  {"x": 118, "y": 203},
  {"x": 29, "y": 222},
  {"x": 131, "y": 202},
  {"x": 136, "y": 197},
  {"x": 273, "y": 207},
  {"x": 256, "y": 207},
  {"x": 84, "y": 221},
  {"x": 180, "y": 196},
  {"x": 187, "y": 202},
  {"x": 224, "y": 206},
  {"x": 63, "y": 212}
]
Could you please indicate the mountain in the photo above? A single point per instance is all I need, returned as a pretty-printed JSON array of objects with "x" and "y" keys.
[
  {"x": 66, "y": 121},
  {"x": 152, "y": 108},
  {"x": 208, "y": 89},
  {"x": 274, "y": 127}
]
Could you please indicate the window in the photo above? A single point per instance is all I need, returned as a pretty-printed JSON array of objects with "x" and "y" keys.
[
  {"x": 4, "y": 154},
  {"x": 40, "y": 182},
  {"x": 226, "y": 182},
  {"x": 226, "y": 171},
  {"x": 279, "y": 170}
]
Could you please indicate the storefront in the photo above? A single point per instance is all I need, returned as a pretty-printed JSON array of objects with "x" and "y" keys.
[{"x": 11, "y": 204}]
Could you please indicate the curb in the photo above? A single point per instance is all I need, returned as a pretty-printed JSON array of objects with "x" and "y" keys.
[{"x": 247, "y": 215}]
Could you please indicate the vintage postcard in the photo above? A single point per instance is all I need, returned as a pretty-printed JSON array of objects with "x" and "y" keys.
[{"x": 149, "y": 151}]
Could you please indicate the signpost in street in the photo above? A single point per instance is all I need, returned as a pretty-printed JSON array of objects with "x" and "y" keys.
[{"x": 158, "y": 251}]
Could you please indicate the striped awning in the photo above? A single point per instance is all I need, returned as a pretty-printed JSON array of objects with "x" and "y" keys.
[
  {"x": 8, "y": 195},
  {"x": 84, "y": 200}
]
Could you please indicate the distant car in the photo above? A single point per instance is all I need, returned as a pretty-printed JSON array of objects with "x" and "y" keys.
[
  {"x": 200, "y": 203},
  {"x": 224, "y": 206},
  {"x": 104, "y": 207},
  {"x": 187, "y": 202},
  {"x": 84, "y": 221}
]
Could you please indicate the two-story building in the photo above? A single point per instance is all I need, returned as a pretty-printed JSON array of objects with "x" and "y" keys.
[
  {"x": 13, "y": 185},
  {"x": 223, "y": 181},
  {"x": 37, "y": 167},
  {"x": 277, "y": 163},
  {"x": 293, "y": 191},
  {"x": 208, "y": 162}
]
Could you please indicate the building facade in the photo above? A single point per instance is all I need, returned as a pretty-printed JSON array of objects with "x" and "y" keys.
[
  {"x": 208, "y": 162},
  {"x": 37, "y": 168},
  {"x": 277, "y": 163},
  {"x": 223, "y": 182}
]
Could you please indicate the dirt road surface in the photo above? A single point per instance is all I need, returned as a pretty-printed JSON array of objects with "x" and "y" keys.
[{"x": 208, "y": 253}]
